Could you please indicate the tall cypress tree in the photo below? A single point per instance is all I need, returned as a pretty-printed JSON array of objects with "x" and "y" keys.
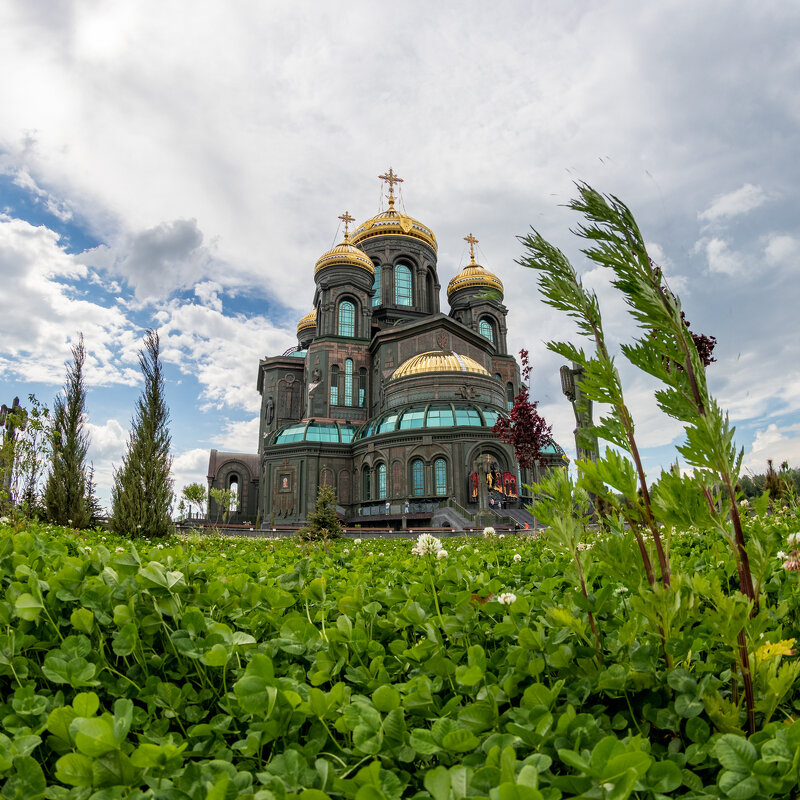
[
  {"x": 68, "y": 492},
  {"x": 141, "y": 497}
]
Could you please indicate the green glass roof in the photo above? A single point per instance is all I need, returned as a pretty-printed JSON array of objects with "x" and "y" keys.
[
  {"x": 430, "y": 415},
  {"x": 311, "y": 431}
]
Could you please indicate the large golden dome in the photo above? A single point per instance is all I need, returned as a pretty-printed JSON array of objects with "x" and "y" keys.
[
  {"x": 392, "y": 222},
  {"x": 345, "y": 254},
  {"x": 438, "y": 361},
  {"x": 308, "y": 321}
]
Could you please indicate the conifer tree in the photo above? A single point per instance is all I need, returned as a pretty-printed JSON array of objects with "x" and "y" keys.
[
  {"x": 322, "y": 523},
  {"x": 68, "y": 492},
  {"x": 141, "y": 497}
]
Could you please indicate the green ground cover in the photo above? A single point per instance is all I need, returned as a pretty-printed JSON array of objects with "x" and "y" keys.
[{"x": 208, "y": 667}]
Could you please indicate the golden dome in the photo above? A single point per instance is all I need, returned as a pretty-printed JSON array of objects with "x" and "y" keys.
[
  {"x": 345, "y": 254},
  {"x": 438, "y": 361},
  {"x": 393, "y": 223},
  {"x": 308, "y": 321},
  {"x": 474, "y": 275}
]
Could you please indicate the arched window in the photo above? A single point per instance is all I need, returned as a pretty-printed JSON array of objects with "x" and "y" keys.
[
  {"x": 348, "y": 381},
  {"x": 365, "y": 487},
  {"x": 440, "y": 476},
  {"x": 485, "y": 328},
  {"x": 233, "y": 487},
  {"x": 362, "y": 387},
  {"x": 417, "y": 478},
  {"x": 335, "y": 385},
  {"x": 429, "y": 292},
  {"x": 376, "y": 285},
  {"x": 347, "y": 319},
  {"x": 403, "y": 296},
  {"x": 381, "y": 481},
  {"x": 510, "y": 396}
]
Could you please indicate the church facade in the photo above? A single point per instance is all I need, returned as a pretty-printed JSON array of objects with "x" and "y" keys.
[{"x": 386, "y": 398}]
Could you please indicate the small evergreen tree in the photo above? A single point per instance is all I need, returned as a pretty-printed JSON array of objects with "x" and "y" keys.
[
  {"x": 68, "y": 492},
  {"x": 322, "y": 522},
  {"x": 141, "y": 497}
]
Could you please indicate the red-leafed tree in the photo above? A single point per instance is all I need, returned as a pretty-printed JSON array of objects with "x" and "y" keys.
[{"x": 524, "y": 428}]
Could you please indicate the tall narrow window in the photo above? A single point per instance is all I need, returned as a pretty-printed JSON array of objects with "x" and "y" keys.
[
  {"x": 348, "y": 381},
  {"x": 347, "y": 318},
  {"x": 485, "y": 329},
  {"x": 440, "y": 476},
  {"x": 510, "y": 396},
  {"x": 362, "y": 387},
  {"x": 381, "y": 481},
  {"x": 365, "y": 487},
  {"x": 402, "y": 285},
  {"x": 335, "y": 385},
  {"x": 376, "y": 284},
  {"x": 233, "y": 486},
  {"x": 417, "y": 480}
]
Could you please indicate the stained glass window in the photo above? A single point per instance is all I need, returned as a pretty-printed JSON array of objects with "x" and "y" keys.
[
  {"x": 402, "y": 286},
  {"x": 376, "y": 298},
  {"x": 381, "y": 481},
  {"x": 417, "y": 480},
  {"x": 347, "y": 318},
  {"x": 440, "y": 476},
  {"x": 348, "y": 381}
]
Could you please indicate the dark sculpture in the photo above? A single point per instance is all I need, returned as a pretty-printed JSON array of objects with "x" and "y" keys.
[
  {"x": 270, "y": 411},
  {"x": 585, "y": 439}
]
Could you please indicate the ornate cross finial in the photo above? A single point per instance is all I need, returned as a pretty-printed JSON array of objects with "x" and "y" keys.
[
  {"x": 472, "y": 242},
  {"x": 390, "y": 178},
  {"x": 347, "y": 219}
]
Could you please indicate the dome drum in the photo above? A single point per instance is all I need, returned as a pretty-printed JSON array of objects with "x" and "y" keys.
[{"x": 442, "y": 375}]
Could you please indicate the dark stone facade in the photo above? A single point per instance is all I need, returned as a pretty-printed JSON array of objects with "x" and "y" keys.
[{"x": 348, "y": 408}]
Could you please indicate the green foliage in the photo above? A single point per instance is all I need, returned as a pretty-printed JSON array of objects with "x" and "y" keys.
[
  {"x": 68, "y": 496},
  {"x": 23, "y": 455},
  {"x": 222, "y": 500},
  {"x": 215, "y": 666},
  {"x": 322, "y": 523},
  {"x": 141, "y": 497},
  {"x": 195, "y": 495}
]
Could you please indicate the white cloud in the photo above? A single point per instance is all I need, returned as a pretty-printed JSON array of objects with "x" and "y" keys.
[
  {"x": 208, "y": 294},
  {"x": 772, "y": 442},
  {"x": 240, "y": 437},
  {"x": 221, "y": 352},
  {"x": 782, "y": 250},
  {"x": 41, "y": 314},
  {"x": 721, "y": 258},
  {"x": 189, "y": 466},
  {"x": 732, "y": 204}
]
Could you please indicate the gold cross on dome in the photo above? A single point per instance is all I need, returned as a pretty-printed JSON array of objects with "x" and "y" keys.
[
  {"x": 472, "y": 242},
  {"x": 347, "y": 219},
  {"x": 390, "y": 178}
]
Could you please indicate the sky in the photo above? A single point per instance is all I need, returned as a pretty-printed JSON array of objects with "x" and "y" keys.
[{"x": 182, "y": 166}]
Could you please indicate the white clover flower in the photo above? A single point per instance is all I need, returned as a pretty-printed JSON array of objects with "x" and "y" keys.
[
  {"x": 102, "y": 538},
  {"x": 356, "y": 541},
  {"x": 507, "y": 598},
  {"x": 744, "y": 504},
  {"x": 370, "y": 553},
  {"x": 4, "y": 520},
  {"x": 441, "y": 554},
  {"x": 488, "y": 531},
  {"x": 621, "y": 590},
  {"x": 585, "y": 545},
  {"x": 428, "y": 545},
  {"x": 781, "y": 554},
  {"x": 501, "y": 536},
  {"x": 138, "y": 527},
  {"x": 120, "y": 550},
  {"x": 69, "y": 521},
  {"x": 517, "y": 558},
  {"x": 380, "y": 554},
  {"x": 345, "y": 552},
  {"x": 794, "y": 538}
]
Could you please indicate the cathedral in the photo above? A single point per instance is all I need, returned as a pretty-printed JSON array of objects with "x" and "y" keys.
[{"x": 387, "y": 399}]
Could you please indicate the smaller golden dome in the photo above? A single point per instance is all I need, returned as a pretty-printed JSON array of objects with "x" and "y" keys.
[
  {"x": 438, "y": 361},
  {"x": 345, "y": 255},
  {"x": 308, "y": 321},
  {"x": 474, "y": 275}
]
